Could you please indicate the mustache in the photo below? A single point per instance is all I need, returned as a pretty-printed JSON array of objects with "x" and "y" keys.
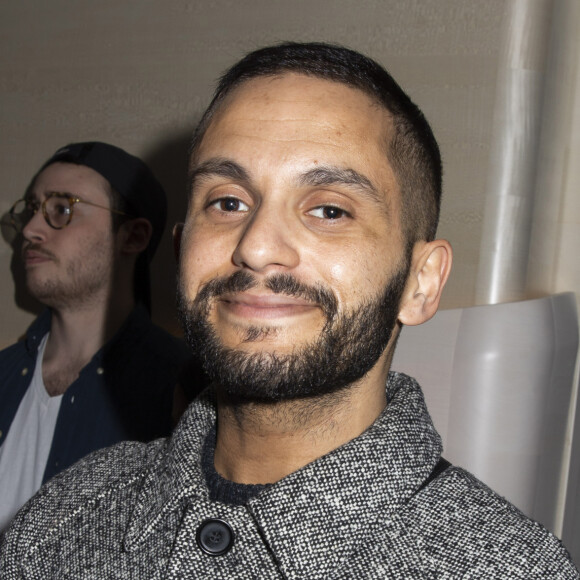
[
  {"x": 285, "y": 284},
  {"x": 38, "y": 249}
]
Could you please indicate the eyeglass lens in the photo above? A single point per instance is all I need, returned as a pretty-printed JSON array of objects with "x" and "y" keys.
[{"x": 57, "y": 211}]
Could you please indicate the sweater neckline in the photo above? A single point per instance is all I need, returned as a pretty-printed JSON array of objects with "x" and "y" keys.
[{"x": 221, "y": 489}]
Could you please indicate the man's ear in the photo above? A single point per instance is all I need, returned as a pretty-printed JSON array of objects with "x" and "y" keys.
[
  {"x": 177, "y": 233},
  {"x": 430, "y": 268},
  {"x": 135, "y": 235}
]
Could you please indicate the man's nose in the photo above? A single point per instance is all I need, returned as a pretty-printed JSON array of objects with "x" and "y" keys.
[
  {"x": 36, "y": 228},
  {"x": 268, "y": 242}
]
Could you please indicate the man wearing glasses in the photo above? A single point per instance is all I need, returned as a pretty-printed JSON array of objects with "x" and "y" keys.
[{"x": 93, "y": 369}]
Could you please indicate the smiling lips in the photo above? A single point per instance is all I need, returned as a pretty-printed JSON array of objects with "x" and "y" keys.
[{"x": 265, "y": 306}]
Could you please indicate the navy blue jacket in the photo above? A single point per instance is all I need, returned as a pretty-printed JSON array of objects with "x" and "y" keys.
[{"x": 124, "y": 393}]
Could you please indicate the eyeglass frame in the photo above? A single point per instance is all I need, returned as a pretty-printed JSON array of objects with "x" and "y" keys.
[{"x": 72, "y": 200}]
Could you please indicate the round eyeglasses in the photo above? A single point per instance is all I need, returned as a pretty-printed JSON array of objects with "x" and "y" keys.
[{"x": 57, "y": 209}]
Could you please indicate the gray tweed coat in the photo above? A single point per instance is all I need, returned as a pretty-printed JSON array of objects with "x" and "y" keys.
[{"x": 134, "y": 511}]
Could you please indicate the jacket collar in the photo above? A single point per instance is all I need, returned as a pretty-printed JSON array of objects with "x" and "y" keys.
[
  {"x": 178, "y": 475},
  {"x": 335, "y": 497}
]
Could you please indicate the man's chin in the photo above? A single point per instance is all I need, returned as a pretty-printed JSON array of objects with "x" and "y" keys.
[
  {"x": 40, "y": 291},
  {"x": 274, "y": 340}
]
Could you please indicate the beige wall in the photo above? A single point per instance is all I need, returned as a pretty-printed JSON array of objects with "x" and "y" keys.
[{"x": 137, "y": 73}]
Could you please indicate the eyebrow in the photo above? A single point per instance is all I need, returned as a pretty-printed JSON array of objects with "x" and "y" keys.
[
  {"x": 319, "y": 176},
  {"x": 328, "y": 175},
  {"x": 33, "y": 196},
  {"x": 217, "y": 167}
]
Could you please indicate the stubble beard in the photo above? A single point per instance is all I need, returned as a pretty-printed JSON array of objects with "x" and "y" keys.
[
  {"x": 347, "y": 348},
  {"x": 76, "y": 284}
]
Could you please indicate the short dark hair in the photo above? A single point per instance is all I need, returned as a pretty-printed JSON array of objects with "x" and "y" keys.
[{"x": 412, "y": 149}]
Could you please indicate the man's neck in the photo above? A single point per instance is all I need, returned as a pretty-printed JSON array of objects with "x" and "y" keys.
[
  {"x": 260, "y": 444},
  {"x": 75, "y": 336}
]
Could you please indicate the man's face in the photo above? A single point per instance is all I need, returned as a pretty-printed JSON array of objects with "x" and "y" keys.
[
  {"x": 292, "y": 248},
  {"x": 71, "y": 266}
]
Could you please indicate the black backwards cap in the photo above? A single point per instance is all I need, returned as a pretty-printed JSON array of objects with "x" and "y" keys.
[{"x": 132, "y": 179}]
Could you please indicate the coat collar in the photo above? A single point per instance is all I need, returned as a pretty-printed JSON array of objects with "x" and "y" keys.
[
  {"x": 335, "y": 497},
  {"x": 177, "y": 475}
]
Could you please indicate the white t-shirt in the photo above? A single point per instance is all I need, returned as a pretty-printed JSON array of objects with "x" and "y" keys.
[{"x": 24, "y": 453}]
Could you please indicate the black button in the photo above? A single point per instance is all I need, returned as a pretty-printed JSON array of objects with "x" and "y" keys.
[{"x": 214, "y": 537}]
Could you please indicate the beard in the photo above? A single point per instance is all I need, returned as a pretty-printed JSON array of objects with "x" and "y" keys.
[
  {"x": 347, "y": 348},
  {"x": 76, "y": 282}
]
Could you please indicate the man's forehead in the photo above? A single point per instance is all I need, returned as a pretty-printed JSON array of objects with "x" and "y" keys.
[
  {"x": 264, "y": 93},
  {"x": 296, "y": 107},
  {"x": 62, "y": 177},
  {"x": 300, "y": 116}
]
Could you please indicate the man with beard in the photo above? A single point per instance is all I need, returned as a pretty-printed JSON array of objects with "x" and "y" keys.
[
  {"x": 93, "y": 369},
  {"x": 309, "y": 241}
]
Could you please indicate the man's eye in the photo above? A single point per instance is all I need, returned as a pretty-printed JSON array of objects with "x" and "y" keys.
[
  {"x": 61, "y": 209},
  {"x": 230, "y": 205},
  {"x": 328, "y": 212}
]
